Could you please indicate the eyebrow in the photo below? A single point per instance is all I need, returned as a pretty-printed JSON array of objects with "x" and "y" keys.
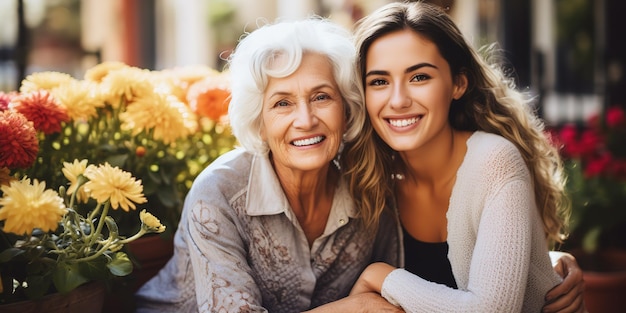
[
  {"x": 314, "y": 89},
  {"x": 408, "y": 70}
]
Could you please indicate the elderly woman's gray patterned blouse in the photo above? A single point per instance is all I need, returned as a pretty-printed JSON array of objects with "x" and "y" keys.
[{"x": 239, "y": 247}]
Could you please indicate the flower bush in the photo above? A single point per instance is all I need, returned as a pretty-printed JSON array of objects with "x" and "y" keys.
[
  {"x": 595, "y": 160},
  {"x": 149, "y": 132},
  {"x": 49, "y": 246},
  {"x": 164, "y": 127}
]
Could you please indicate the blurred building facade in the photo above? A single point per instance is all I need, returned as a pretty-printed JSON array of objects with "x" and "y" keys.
[{"x": 567, "y": 52}]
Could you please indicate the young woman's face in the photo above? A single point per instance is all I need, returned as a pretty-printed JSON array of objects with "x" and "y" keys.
[
  {"x": 303, "y": 116},
  {"x": 408, "y": 90}
]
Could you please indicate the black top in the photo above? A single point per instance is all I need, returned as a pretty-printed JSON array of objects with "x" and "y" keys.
[{"x": 428, "y": 260}]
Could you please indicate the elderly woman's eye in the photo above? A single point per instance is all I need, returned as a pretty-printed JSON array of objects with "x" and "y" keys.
[
  {"x": 282, "y": 103},
  {"x": 321, "y": 97}
]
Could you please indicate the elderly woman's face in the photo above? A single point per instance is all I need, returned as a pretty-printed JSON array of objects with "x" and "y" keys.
[{"x": 303, "y": 116}]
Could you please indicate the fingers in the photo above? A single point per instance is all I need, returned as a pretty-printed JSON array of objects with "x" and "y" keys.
[
  {"x": 567, "y": 296},
  {"x": 577, "y": 306},
  {"x": 572, "y": 301},
  {"x": 572, "y": 275}
]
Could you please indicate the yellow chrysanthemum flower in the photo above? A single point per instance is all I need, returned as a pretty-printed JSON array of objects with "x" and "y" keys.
[
  {"x": 72, "y": 171},
  {"x": 150, "y": 221},
  {"x": 168, "y": 118},
  {"x": 100, "y": 71},
  {"x": 44, "y": 80},
  {"x": 26, "y": 207},
  {"x": 181, "y": 78},
  {"x": 126, "y": 83},
  {"x": 80, "y": 99},
  {"x": 107, "y": 183}
]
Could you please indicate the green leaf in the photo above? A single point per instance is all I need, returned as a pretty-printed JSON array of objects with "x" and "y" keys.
[
  {"x": 117, "y": 160},
  {"x": 112, "y": 226},
  {"x": 590, "y": 241},
  {"x": 37, "y": 286},
  {"x": 9, "y": 253},
  {"x": 168, "y": 196},
  {"x": 94, "y": 269},
  {"x": 66, "y": 277},
  {"x": 150, "y": 182},
  {"x": 120, "y": 265},
  {"x": 154, "y": 176}
]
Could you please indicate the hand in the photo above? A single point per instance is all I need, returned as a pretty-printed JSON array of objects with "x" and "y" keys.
[{"x": 568, "y": 295}]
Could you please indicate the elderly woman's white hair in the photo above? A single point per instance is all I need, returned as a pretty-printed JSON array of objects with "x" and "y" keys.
[{"x": 250, "y": 70}]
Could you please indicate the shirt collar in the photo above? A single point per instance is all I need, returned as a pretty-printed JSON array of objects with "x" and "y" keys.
[{"x": 266, "y": 196}]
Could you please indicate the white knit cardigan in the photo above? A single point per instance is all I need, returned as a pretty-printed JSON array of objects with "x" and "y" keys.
[{"x": 498, "y": 251}]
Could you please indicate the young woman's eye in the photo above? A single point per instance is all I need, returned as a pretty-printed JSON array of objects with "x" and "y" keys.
[
  {"x": 377, "y": 82},
  {"x": 419, "y": 77}
]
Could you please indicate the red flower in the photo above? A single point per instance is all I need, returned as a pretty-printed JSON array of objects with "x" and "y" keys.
[
  {"x": 590, "y": 143},
  {"x": 18, "y": 143},
  {"x": 42, "y": 109},
  {"x": 619, "y": 169},
  {"x": 5, "y": 99},
  {"x": 598, "y": 166},
  {"x": 594, "y": 122},
  {"x": 568, "y": 137},
  {"x": 615, "y": 117}
]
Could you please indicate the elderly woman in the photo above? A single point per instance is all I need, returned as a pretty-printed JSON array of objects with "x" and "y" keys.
[{"x": 271, "y": 226}]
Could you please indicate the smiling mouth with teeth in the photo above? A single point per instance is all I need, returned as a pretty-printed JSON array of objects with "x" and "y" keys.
[
  {"x": 403, "y": 122},
  {"x": 308, "y": 141}
]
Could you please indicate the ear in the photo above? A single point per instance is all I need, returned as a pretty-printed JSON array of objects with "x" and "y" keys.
[
  {"x": 460, "y": 86},
  {"x": 262, "y": 133}
]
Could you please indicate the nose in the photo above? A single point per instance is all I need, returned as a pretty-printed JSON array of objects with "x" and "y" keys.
[
  {"x": 305, "y": 117},
  {"x": 399, "y": 97}
]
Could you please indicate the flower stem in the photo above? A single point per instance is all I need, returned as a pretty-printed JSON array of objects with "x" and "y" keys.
[
  {"x": 136, "y": 236},
  {"x": 96, "y": 234}
]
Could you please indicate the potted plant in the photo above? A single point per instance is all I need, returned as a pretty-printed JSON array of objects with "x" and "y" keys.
[
  {"x": 163, "y": 127},
  {"x": 595, "y": 161},
  {"x": 47, "y": 246}
]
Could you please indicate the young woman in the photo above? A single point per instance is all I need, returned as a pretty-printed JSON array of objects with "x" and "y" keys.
[{"x": 477, "y": 185}]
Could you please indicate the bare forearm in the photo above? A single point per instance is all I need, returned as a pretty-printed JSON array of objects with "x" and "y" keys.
[
  {"x": 361, "y": 303},
  {"x": 372, "y": 278}
]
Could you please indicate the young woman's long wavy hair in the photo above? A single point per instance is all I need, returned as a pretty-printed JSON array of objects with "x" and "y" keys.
[{"x": 491, "y": 104}]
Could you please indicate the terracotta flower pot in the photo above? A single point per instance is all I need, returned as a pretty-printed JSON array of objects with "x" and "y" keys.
[
  {"x": 86, "y": 298},
  {"x": 149, "y": 254},
  {"x": 605, "y": 286}
]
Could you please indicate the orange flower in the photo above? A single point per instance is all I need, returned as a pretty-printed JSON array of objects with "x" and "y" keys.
[
  {"x": 18, "y": 144},
  {"x": 42, "y": 109},
  {"x": 209, "y": 97}
]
